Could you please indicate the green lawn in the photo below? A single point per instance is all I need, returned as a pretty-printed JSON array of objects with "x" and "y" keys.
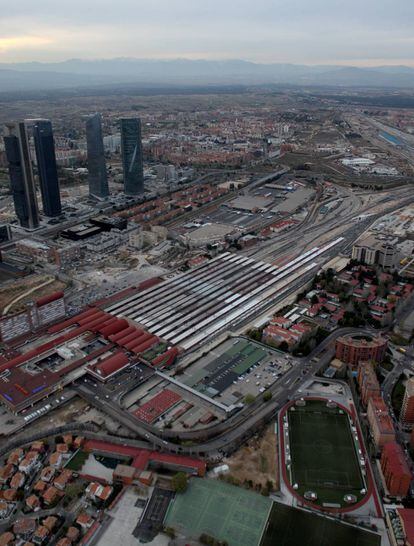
[
  {"x": 289, "y": 526},
  {"x": 77, "y": 461},
  {"x": 221, "y": 510},
  {"x": 324, "y": 458}
]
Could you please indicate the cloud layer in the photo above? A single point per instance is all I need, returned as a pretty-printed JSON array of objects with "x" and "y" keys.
[{"x": 357, "y": 32}]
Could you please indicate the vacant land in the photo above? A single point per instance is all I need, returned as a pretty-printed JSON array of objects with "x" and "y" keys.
[
  {"x": 220, "y": 510},
  {"x": 18, "y": 288},
  {"x": 324, "y": 458},
  {"x": 257, "y": 461},
  {"x": 289, "y": 526}
]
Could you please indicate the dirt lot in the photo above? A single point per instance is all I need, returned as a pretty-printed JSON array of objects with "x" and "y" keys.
[
  {"x": 13, "y": 289},
  {"x": 258, "y": 460}
]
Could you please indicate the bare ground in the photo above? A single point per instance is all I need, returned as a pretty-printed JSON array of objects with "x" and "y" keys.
[{"x": 257, "y": 460}]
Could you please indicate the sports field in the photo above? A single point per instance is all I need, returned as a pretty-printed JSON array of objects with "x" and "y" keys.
[
  {"x": 289, "y": 526},
  {"x": 221, "y": 510},
  {"x": 324, "y": 457}
]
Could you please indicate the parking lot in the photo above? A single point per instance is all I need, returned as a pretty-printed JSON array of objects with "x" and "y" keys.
[{"x": 235, "y": 369}]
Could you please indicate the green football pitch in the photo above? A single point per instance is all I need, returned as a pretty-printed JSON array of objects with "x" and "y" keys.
[
  {"x": 221, "y": 510},
  {"x": 289, "y": 526},
  {"x": 323, "y": 453}
]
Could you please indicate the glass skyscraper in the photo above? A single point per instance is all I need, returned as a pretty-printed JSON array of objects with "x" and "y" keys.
[
  {"x": 131, "y": 148},
  {"x": 46, "y": 166},
  {"x": 98, "y": 180},
  {"x": 21, "y": 175}
]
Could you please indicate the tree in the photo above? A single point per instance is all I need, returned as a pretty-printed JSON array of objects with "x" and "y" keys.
[
  {"x": 180, "y": 482},
  {"x": 284, "y": 346},
  {"x": 249, "y": 399},
  {"x": 267, "y": 395},
  {"x": 170, "y": 532}
]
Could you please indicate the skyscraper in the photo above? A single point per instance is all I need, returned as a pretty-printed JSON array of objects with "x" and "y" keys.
[
  {"x": 46, "y": 166},
  {"x": 98, "y": 180},
  {"x": 21, "y": 175},
  {"x": 131, "y": 147}
]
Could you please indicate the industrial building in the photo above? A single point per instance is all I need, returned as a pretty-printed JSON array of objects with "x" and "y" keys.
[
  {"x": 192, "y": 306},
  {"x": 93, "y": 342}
]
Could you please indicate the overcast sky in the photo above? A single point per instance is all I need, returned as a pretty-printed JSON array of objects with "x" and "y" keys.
[{"x": 356, "y": 32}]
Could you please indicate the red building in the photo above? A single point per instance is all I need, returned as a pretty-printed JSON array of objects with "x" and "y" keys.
[
  {"x": 368, "y": 382},
  {"x": 395, "y": 470},
  {"x": 380, "y": 422},
  {"x": 353, "y": 349}
]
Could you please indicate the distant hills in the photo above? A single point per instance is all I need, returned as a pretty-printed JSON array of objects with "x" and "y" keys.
[{"x": 76, "y": 73}]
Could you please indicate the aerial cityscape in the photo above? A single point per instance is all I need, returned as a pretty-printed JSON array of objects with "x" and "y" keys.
[{"x": 206, "y": 276}]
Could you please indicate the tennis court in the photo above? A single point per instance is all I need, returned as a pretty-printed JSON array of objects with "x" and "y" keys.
[
  {"x": 289, "y": 526},
  {"x": 221, "y": 510},
  {"x": 324, "y": 457}
]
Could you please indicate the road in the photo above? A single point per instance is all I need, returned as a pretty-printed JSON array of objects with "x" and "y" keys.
[{"x": 225, "y": 436}]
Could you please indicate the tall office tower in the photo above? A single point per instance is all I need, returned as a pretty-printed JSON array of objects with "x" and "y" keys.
[
  {"x": 46, "y": 166},
  {"x": 131, "y": 147},
  {"x": 21, "y": 175},
  {"x": 98, "y": 180}
]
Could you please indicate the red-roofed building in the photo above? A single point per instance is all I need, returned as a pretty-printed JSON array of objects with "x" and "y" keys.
[
  {"x": 406, "y": 516},
  {"x": 381, "y": 425},
  {"x": 157, "y": 406},
  {"x": 395, "y": 470},
  {"x": 368, "y": 383}
]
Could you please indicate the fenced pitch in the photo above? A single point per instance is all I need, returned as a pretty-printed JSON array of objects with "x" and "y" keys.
[
  {"x": 221, "y": 510},
  {"x": 323, "y": 453},
  {"x": 289, "y": 526}
]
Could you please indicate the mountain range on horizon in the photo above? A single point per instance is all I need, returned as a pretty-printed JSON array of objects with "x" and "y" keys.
[{"x": 34, "y": 76}]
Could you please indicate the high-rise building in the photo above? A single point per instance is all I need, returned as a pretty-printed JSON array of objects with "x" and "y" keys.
[
  {"x": 46, "y": 166},
  {"x": 98, "y": 180},
  {"x": 131, "y": 147},
  {"x": 21, "y": 175}
]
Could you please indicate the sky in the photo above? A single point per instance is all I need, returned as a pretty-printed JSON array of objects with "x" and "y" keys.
[{"x": 347, "y": 32}]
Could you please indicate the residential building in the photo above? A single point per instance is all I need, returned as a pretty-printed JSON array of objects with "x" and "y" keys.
[
  {"x": 395, "y": 470},
  {"x": 380, "y": 422},
  {"x": 368, "y": 383},
  {"x": 7, "y": 539},
  {"x": 407, "y": 409},
  {"x": 373, "y": 250},
  {"x": 352, "y": 349}
]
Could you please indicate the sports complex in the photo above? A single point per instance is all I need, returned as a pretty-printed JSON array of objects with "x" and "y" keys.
[
  {"x": 220, "y": 510},
  {"x": 242, "y": 517},
  {"x": 289, "y": 526},
  {"x": 322, "y": 458}
]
